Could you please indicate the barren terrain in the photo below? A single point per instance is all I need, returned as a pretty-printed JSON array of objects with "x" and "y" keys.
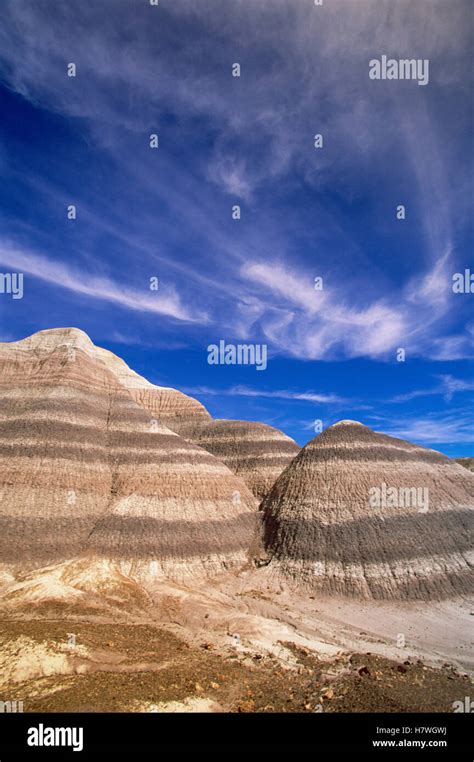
[{"x": 230, "y": 644}]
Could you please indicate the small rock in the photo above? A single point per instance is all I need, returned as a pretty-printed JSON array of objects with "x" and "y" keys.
[
  {"x": 246, "y": 706},
  {"x": 364, "y": 671}
]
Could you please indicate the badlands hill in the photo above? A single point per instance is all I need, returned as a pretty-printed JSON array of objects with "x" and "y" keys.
[
  {"x": 364, "y": 514},
  {"x": 466, "y": 462},
  {"x": 111, "y": 513},
  {"x": 85, "y": 470},
  {"x": 169, "y": 406},
  {"x": 256, "y": 452},
  {"x": 90, "y": 469}
]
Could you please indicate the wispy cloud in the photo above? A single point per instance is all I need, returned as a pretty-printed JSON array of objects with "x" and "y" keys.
[
  {"x": 116, "y": 57},
  {"x": 447, "y": 388},
  {"x": 252, "y": 139},
  {"x": 313, "y": 325},
  {"x": 435, "y": 428},
  {"x": 246, "y": 391},
  {"x": 95, "y": 287},
  {"x": 457, "y": 347}
]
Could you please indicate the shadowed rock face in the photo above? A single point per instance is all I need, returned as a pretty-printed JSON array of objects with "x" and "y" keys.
[
  {"x": 365, "y": 514},
  {"x": 256, "y": 452},
  {"x": 84, "y": 470},
  {"x": 466, "y": 462}
]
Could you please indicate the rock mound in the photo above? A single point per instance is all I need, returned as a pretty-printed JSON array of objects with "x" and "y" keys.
[
  {"x": 169, "y": 406},
  {"x": 466, "y": 462},
  {"x": 363, "y": 514},
  {"x": 84, "y": 470},
  {"x": 254, "y": 451}
]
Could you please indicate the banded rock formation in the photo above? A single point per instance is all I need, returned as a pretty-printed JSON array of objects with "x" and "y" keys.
[
  {"x": 254, "y": 451},
  {"x": 363, "y": 514},
  {"x": 83, "y": 470},
  {"x": 169, "y": 406}
]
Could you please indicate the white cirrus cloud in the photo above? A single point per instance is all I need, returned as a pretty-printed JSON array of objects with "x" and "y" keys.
[
  {"x": 97, "y": 287},
  {"x": 447, "y": 387},
  {"x": 246, "y": 391},
  {"x": 455, "y": 427}
]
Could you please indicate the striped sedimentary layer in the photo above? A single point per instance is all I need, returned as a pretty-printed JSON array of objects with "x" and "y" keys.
[
  {"x": 364, "y": 514},
  {"x": 85, "y": 470},
  {"x": 254, "y": 451},
  {"x": 169, "y": 406}
]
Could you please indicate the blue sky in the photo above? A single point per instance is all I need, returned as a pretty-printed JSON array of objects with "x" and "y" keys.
[{"x": 305, "y": 212}]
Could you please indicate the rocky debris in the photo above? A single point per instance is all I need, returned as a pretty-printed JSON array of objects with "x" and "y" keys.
[{"x": 146, "y": 669}]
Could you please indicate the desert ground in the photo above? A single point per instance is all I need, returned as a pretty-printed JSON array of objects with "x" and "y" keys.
[{"x": 237, "y": 643}]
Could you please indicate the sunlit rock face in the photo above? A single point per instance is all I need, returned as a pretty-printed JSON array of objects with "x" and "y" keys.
[
  {"x": 85, "y": 470},
  {"x": 169, "y": 406}
]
